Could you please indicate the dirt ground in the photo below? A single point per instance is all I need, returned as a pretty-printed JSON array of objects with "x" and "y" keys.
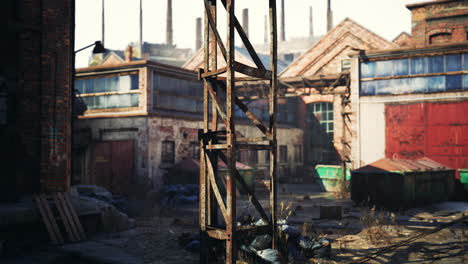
[{"x": 361, "y": 230}]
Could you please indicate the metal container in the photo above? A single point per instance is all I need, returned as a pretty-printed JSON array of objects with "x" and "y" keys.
[
  {"x": 402, "y": 183},
  {"x": 464, "y": 177},
  {"x": 330, "y": 176}
]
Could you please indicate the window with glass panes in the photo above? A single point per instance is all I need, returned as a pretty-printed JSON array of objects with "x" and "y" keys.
[{"x": 324, "y": 114}]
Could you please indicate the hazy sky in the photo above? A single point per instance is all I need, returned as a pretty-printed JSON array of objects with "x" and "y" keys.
[{"x": 385, "y": 17}]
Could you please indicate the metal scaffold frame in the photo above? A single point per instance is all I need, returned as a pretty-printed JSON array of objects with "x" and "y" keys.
[{"x": 217, "y": 144}]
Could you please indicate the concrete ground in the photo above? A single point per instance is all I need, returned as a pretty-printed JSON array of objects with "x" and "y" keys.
[{"x": 360, "y": 231}]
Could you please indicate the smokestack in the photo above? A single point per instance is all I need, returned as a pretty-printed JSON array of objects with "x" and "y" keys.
[
  {"x": 311, "y": 23},
  {"x": 245, "y": 20},
  {"x": 141, "y": 28},
  {"x": 198, "y": 40},
  {"x": 283, "y": 28},
  {"x": 265, "y": 38},
  {"x": 103, "y": 22},
  {"x": 128, "y": 53},
  {"x": 169, "y": 39},
  {"x": 329, "y": 17}
]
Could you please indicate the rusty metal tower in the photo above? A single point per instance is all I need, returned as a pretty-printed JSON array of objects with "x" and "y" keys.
[{"x": 218, "y": 143}]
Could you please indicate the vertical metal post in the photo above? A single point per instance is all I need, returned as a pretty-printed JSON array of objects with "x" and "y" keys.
[
  {"x": 231, "y": 252},
  {"x": 272, "y": 106},
  {"x": 212, "y": 205},
  {"x": 204, "y": 191}
]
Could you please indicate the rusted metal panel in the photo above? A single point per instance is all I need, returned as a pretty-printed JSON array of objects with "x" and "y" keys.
[
  {"x": 403, "y": 165},
  {"x": 438, "y": 130}
]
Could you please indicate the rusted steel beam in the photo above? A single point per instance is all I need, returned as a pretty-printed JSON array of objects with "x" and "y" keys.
[
  {"x": 216, "y": 102},
  {"x": 253, "y": 231},
  {"x": 204, "y": 189},
  {"x": 217, "y": 146},
  {"x": 272, "y": 104},
  {"x": 231, "y": 249},
  {"x": 252, "y": 139},
  {"x": 246, "y": 41},
  {"x": 251, "y": 71},
  {"x": 213, "y": 90},
  {"x": 217, "y": 234},
  {"x": 212, "y": 24},
  {"x": 245, "y": 146},
  {"x": 214, "y": 187},
  {"x": 253, "y": 199},
  {"x": 214, "y": 72},
  {"x": 258, "y": 123}
]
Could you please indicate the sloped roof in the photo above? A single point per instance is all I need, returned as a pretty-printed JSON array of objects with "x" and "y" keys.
[
  {"x": 403, "y": 165},
  {"x": 403, "y": 39},
  {"x": 241, "y": 55},
  {"x": 325, "y": 56}
]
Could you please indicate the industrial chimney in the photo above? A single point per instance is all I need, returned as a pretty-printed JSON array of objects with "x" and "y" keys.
[
  {"x": 103, "y": 23},
  {"x": 311, "y": 23},
  {"x": 169, "y": 36},
  {"x": 245, "y": 20},
  {"x": 128, "y": 53},
  {"x": 198, "y": 37},
  {"x": 141, "y": 28},
  {"x": 265, "y": 37},
  {"x": 329, "y": 17},
  {"x": 283, "y": 29}
]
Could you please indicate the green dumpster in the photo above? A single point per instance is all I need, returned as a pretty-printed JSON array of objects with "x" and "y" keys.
[
  {"x": 464, "y": 177},
  {"x": 330, "y": 176}
]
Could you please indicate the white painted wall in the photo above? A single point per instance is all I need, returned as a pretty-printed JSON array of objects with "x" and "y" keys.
[{"x": 372, "y": 126}]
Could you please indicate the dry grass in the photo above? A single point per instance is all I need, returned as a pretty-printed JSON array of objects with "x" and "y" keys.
[
  {"x": 374, "y": 222},
  {"x": 343, "y": 191}
]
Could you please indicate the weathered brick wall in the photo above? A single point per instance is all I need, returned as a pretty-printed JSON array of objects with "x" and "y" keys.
[
  {"x": 37, "y": 132},
  {"x": 448, "y": 17}
]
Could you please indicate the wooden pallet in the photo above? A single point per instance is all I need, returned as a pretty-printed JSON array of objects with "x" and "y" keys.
[{"x": 58, "y": 215}]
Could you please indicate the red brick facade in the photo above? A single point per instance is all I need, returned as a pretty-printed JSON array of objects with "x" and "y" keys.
[
  {"x": 39, "y": 70},
  {"x": 436, "y": 22}
]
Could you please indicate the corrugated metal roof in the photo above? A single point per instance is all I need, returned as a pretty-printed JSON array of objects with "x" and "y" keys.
[{"x": 403, "y": 165}]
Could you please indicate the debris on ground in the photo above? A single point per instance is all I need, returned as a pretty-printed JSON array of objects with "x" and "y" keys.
[{"x": 178, "y": 194}]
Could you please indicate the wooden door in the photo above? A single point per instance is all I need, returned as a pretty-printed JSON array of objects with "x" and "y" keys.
[{"x": 114, "y": 165}]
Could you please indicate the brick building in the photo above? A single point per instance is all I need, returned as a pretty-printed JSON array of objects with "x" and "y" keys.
[
  {"x": 439, "y": 22},
  {"x": 319, "y": 114},
  {"x": 411, "y": 102},
  {"x": 143, "y": 117},
  {"x": 35, "y": 96}
]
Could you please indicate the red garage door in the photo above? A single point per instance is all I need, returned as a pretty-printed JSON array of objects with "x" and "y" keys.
[
  {"x": 435, "y": 130},
  {"x": 113, "y": 165}
]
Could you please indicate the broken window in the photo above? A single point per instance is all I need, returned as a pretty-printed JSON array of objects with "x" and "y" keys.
[
  {"x": 167, "y": 152},
  {"x": 283, "y": 151},
  {"x": 195, "y": 148}
]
